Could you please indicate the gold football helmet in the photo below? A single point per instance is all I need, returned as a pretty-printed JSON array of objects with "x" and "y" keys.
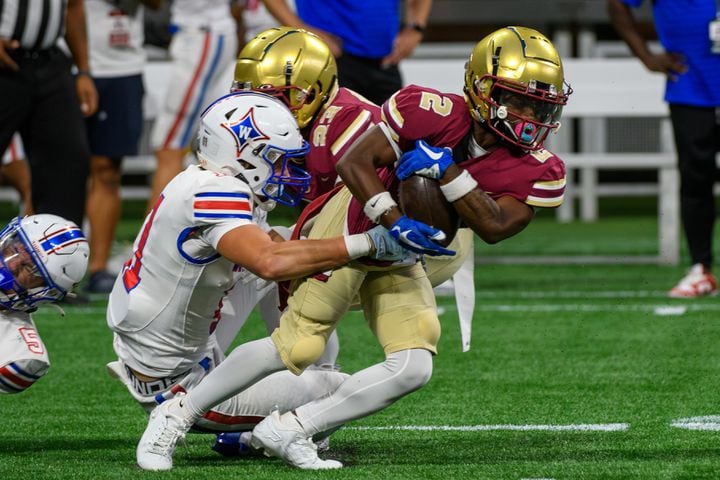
[
  {"x": 291, "y": 64},
  {"x": 514, "y": 85}
]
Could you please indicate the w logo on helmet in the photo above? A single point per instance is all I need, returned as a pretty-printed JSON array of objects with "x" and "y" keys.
[{"x": 245, "y": 130}]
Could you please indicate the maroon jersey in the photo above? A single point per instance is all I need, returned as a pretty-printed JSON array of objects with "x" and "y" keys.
[
  {"x": 442, "y": 120},
  {"x": 340, "y": 123}
]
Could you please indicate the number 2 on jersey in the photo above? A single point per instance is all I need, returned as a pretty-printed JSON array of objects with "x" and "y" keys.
[{"x": 440, "y": 105}]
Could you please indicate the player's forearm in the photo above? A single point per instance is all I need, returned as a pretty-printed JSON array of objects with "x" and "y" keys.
[
  {"x": 417, "y": 11},
  {"x": 357, "y": 168},
  {"x": 282, "y": 13},
  {"x": 626, "y": 26},
  {"x": 300, "y": 258},
  {"x": 483, "y": 214}
]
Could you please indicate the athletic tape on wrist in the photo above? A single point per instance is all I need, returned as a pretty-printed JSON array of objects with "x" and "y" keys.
[
  {"x": 459, "y": 186},
  {"x": 358, "y": 245},
  {"x": 378, "y": 206}
]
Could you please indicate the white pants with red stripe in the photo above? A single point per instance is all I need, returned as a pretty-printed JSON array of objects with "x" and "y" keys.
[
  {"x": 242, "y": 412},
  {"x": 201, "y": 72},
  {"x": 23, "y": 356}
]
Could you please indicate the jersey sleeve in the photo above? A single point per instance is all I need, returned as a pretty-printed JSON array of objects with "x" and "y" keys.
[
  {"x": 346, "y": 127},
  {"x": 415, "y": 113},
  {"x": 331, "y": 137},
  {"x": 220, "y": 205},
  {"x": 548, "y": 191}
]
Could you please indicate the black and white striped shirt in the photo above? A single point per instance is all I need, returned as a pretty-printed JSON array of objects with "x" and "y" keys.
[{"x": 36, "y": 24}]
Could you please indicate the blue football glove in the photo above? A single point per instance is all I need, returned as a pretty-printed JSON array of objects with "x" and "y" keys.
[
  {"x": 419, "y": 237},
  {"x": 425, "y": 161},
  {"x": 386, "y": 247}
]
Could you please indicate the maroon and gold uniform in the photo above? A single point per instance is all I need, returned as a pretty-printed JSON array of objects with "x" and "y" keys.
[
  {"x": 347, "y": 116},
  {"x": 442, "y": 120}
]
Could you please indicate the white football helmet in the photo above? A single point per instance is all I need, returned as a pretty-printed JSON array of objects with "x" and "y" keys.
[
  {"x": 255, "y": 138},
  {"x": 42, "y": 257}
]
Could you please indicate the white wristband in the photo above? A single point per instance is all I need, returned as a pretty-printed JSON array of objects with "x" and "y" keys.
[
  {"x": 378, "y": 206},
  {"x": 459, "y": 186},
  {"x": 358, "y": 245}
]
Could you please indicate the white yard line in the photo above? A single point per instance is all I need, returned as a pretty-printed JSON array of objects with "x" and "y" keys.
[
  {"x": 582, "y": 427},
  {"x": 707, "y": 422},
  {"x": 571, "y": 294},
  {"x": 657, "y": 309}
]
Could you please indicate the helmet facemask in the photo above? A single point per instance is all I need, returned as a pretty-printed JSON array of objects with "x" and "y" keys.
[
  {"x": 523, "y": 115},
  {"x": 287, "y": 183},
  {"x": 515, "y": 86},
  {"x": 25, "y": 281}
]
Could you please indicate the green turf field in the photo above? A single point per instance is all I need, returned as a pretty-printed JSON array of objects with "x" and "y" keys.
[{"x": 574, "y": 372}]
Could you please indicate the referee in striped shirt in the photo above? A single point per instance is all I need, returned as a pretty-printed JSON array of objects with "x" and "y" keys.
[{"x": 42, "y": 100}]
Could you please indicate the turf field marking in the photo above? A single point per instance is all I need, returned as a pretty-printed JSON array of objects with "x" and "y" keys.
[
  {"x": 533, "y": 307},
  {"x": 707, "y": 422},
  {"x": 571, "y": 294},
  {"x": 655, "y": 309},
  {"x": 582, "y": 427}
]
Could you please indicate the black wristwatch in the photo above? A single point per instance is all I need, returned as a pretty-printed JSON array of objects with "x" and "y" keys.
[{"x": 415, "y": 26}]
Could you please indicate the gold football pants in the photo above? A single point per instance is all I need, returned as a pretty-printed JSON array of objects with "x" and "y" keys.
[{"x": 398, "y": 301}]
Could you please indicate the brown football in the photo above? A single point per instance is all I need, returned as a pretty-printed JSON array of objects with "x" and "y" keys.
[{"x": 421, "y": 199}]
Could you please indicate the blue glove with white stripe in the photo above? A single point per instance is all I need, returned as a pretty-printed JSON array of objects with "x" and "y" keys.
[
  {"x": 424, "y": 160},
  {"x": 419, "y": 237}
]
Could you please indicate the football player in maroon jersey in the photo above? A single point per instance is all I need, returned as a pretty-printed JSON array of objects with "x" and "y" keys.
[{"x": 491, "y": 167}]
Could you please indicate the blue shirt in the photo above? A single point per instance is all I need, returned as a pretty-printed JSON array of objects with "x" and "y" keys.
[
  {"x": 367, "y": 27},
  {"x": 682, "y": 27}
]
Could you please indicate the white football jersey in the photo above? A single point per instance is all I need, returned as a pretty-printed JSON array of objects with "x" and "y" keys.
[
  {"x": 168, "y": 297},
  {"x": 23, "y": 356},
  {"x": 115, "y": 40},
  {"x": 212, "y": 15}
]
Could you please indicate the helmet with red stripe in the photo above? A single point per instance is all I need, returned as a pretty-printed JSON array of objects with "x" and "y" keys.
[
  {"x": 254, "y": 137},
  {"x": 42, "y": 257}
]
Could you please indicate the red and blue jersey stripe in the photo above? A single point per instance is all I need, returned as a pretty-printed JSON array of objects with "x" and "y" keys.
[{"x": 222, "y": 205}]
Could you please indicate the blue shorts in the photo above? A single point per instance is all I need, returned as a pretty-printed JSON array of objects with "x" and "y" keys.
[{"x": 114, "y": 131}]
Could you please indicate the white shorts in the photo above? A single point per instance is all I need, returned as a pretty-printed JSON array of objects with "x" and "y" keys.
[
  {"x": 198, "y": 76},
  {"x": 15, "y": 151},
  {"x": 23, "y": 356}
]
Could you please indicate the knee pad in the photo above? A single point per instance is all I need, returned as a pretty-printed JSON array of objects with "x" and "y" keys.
[
  {"x": 18, "y": 376},
  {"x": 411, "y": 369},
  {"x": 304, "y": 352}
]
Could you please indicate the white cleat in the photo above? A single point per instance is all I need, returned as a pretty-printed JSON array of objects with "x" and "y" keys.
[
  {"x": 284, "y": 437},
  {"x": 165, "y": 428},
  {"x": 697, "y": 283}
]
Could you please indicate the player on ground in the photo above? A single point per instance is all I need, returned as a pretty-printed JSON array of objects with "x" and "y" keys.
[
  {"x": 42, "y": 257},
  {"x": 194, "y": 246}
]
